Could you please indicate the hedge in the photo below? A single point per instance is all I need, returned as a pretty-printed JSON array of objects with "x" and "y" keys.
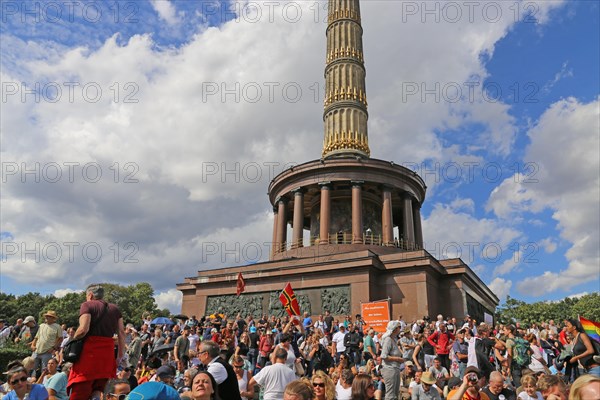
[{"x": 10, "y": 353}]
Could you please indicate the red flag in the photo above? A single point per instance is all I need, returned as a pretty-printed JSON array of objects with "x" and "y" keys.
[
  {"x": 241, "y": 285},
  {"x": 289, "y": 301}
]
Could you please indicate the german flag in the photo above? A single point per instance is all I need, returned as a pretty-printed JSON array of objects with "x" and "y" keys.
[{"x": 289, "y": 301}]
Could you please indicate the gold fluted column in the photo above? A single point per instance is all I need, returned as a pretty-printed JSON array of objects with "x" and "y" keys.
[
  {"x": 408, "y": 227},
  {"x": 418, "y": 227},
  {"x": 297, "y": 237},
  {"x": 274, "y": 245},
  {"x": 281, "y": 224},
  {"x": 387, "y": 225},
  {"x": 345, "y": 108},
  {"x": 325, "y": 213},
  {"x": 357, "y": 222}
]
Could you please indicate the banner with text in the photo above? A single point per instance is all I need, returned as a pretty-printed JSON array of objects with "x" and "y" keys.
[{"x": 376, "y": 315}]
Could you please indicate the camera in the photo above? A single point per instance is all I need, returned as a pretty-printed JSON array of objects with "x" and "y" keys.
[{"x": 473, "y": 377}]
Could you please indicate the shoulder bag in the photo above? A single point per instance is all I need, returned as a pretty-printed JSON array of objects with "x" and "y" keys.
[{"x": 74, "y": 347}]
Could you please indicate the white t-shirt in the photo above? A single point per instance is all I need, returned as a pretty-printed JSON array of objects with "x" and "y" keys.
[
  {"x": 341, "y": 393},
  {"x": 274, "y": 378},
  {"x": 193, "y": 339},
  {"x": 471, "y": 354},
  {"x": 535, "y": 365},
  {"x": 524, "y": 396},
  {"x": 291, "y": 358},
  {"x": 338, "y": 339}
]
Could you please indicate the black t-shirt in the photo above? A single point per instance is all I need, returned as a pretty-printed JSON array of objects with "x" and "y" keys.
[
  {"x": 110, "y": 322},
  {"x": 241, "y": 326},
  {"x": 328, "y": 322},
  {"x": 428, "y": 348},
  {"x": 254, "y": 340},
  {"x": 508, "y": 394}
]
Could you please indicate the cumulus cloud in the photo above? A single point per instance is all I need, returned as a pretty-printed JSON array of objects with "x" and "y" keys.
[
  {"x": 568, "y": 185},
  {"x": 166, "y": 10},
  {"x": 63, "y": 292},
  {"x": 500, "y": 287},
  {"x": 450, "y": 231},
  {"x": 170, "y": 299},
  {"x": 172, "y": 148}
]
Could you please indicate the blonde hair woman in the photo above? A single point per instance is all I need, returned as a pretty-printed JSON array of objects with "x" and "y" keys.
[
  {"x": 585, "y": 387},
  {"x": 323, "y": 386}
]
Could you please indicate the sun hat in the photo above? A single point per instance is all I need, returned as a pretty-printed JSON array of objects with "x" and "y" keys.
[
  {"x": 51, "y": 314},
  {"x": 428, "y": 378}
]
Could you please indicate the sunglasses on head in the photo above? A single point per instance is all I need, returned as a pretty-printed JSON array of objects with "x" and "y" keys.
[
  {"x": 321, "y": 385},
  {"x": 21, "y": 379},
  {"x": 121, "y": 396}
]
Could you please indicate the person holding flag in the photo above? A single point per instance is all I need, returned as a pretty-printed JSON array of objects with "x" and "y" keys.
[{"x": 583, "y": 348}]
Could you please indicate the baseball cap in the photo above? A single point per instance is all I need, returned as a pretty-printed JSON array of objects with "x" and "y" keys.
[
  {"x": 252, "y": 329},
  {"x": 453, "y": 382},
  {"x": 28, "y": 319},
  {"x": 153, "y": 391},
  {"x": 165, "y": 372}
]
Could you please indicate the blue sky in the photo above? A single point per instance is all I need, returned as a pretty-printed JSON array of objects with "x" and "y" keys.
[{"x": 164, "y": 132}]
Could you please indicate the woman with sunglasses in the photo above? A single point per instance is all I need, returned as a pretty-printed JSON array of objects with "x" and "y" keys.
[
  {"x": 345, "y": 364},
  {"x": 243, "y": 376},
  {"x": 323, "y": 386},
  {"x": 17, "y": 379},
  {"x": 363, "y": 388}
]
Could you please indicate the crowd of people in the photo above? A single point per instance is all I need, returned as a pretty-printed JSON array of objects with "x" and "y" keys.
[{"x": 298, "y": 358}]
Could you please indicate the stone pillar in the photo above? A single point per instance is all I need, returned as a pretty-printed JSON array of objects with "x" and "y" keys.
[
  {"x": 325, "y": 213},
  {"x": 417, "y": 222},
  {"x": 387, "y": 225},
  {"x": 274, "y": 246},
  {"x": 297, "y": 233},
  {"x": 408, "y": 228},
  {"x": 357, "y": 222},
  {"x": 281, "y": 224}
]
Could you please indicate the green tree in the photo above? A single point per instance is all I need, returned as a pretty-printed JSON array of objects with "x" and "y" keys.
[
  {"x": 67, "y": 308},
  {"x": 588, "y": 307},
  {"x": 514, "y": 310}
]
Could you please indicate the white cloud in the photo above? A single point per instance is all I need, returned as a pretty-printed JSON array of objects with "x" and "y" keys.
[
  {"x": 500, "y": 287},
  {"x": 166, "y": 10},
  {"x": 63, "y": 292},
  {"x": 548, "y": 244},
  {"x": 451, "y": 232},
  {"x": 170, "y": 299},
  {"x": 181, "y": 142},
  {"x": 577, "y": 295},
  {"x": 569, "y": 185}
]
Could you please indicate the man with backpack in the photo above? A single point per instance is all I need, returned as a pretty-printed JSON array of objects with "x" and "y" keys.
[{"x": 518, "y": 354}]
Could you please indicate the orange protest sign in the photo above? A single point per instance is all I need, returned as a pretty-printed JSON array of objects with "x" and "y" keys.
[{"x": 376, "y": 315}]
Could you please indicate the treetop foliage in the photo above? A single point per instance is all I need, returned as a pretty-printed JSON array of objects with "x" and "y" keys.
[
  {"x": 513, "y": 310},
  {"x": 133, "y": 301}
]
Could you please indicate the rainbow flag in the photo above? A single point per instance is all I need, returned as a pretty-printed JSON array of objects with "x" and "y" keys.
[{"x": 591, "y": 328}]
